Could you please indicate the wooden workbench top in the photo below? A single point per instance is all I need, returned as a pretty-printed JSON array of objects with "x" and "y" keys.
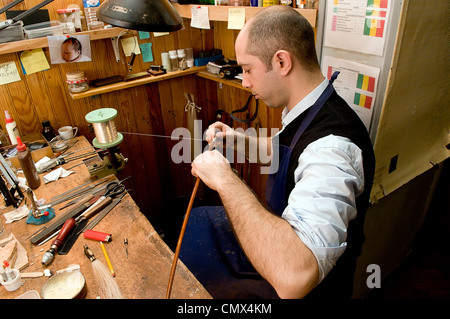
[{"x": 144, "y": 274}]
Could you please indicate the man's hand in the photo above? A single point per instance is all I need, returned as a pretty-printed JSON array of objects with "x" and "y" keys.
[
  {"x": 221, "y": 132},
  {"x": 212, "y": 168}
]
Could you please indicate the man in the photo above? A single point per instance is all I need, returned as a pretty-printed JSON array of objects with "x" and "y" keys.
[{"x": 306, "y": 240}]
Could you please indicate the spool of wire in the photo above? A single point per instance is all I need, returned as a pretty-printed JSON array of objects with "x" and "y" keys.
[{"x": 106, "y": 134}]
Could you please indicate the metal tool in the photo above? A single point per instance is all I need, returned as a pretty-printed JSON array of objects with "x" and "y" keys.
[
  {"x": 58, "y": 242},
  {"x": 75, "y": 194},
  {"x": 36, "y": 215},
  {"x": 12, "y": 196},
  {"x": 81, "y": 222},
  {"x": 60, "y": 160},
  {"x": 183, "y": 230},
  {"x": 125, "y": 242},
  {"x": 10, "y": 5},
  {"x": 46, "y": 232},
  {"x": 101, "y": 215},
  {"x": 10, "y": 22}
]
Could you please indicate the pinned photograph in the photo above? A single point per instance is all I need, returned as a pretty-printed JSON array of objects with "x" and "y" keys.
[{"x": 68, "y": 49}]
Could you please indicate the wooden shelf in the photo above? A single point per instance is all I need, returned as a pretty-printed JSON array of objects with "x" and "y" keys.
[
  {"x": 29, "y": 44},
  {"x": 213, "y": 77},
  {"x": 126, "y": 85},
  {"x": 216, "y": 13},
  {"x": 220, "y": 13}
]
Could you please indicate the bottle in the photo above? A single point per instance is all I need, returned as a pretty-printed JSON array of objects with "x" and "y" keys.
[
  {"x": 173, "y": 60},
  {"x": 90, "y": 12},
  {"x": 27, "y": 164},
  {"x": 189, "y": 57},
  {"x": 48, "y": 131},
  {"x": 9, "y": 274},
  {"x": 166, "y": 61},
  {"x": 4, "y": 139},
  {"x": 11, "y": 127}
]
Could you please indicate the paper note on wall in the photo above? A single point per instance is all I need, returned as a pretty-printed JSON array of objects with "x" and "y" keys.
[
  {"x": 357, "y": 25},
  {"x": 356, "y": 84},
  {"x": 160, "y": 34},
  {"x": 236, "y": 18},
  {"x": 147, "y": 55},
  {"x": 200, "y": 17},
  {"x": 34, "y": 61},
  {"x": 8, "y": 73},
  {"x": 144, "y": 35},
  {"x": 130, "y": 45}
]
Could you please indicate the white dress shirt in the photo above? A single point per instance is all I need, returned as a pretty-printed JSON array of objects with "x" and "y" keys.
[{"x": 328, "y": 178}]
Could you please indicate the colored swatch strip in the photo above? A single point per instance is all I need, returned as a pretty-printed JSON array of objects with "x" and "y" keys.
[
  {"x": 365, "y": 82},
  {"x": 363, "y": 100},
  {"x": 376, "y": 13},
  {"x": 382, "y": 4},
  {"x": 374, "y": 27}
]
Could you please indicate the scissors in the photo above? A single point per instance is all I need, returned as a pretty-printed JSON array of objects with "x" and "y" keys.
[{"x": 113, "y": 189}]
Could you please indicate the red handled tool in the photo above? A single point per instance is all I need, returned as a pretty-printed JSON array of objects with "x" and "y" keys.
[{"x": 58, "y": 242}]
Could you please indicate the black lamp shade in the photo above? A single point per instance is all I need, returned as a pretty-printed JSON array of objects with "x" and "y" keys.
[{"x": 142, "y": 15}]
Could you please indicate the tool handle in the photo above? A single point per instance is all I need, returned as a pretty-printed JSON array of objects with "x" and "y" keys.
[
  {"x": 65, "y": 230},
  {"x": 46, "y": 166},
  {"x": 103, "y": 202}
]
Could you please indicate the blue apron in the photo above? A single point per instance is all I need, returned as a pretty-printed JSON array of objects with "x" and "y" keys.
[{"x": 210, "y": 248}]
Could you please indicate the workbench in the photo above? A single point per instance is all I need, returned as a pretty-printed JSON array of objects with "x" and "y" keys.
[{"x": 143, "y": 275}]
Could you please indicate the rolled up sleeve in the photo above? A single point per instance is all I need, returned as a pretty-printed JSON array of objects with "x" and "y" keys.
[{"x": 328, "y": 179}]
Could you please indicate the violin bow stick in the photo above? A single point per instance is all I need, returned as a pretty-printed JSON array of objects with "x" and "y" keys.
[{"x": 183, "y": 229}]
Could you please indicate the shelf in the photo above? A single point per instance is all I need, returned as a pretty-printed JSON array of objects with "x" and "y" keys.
[
  {"x": 126, "y": 85},
  {"x": 29, "y": 44},
  {"x": 213, "y": 77},
  {"x": 220, "y": 13}
]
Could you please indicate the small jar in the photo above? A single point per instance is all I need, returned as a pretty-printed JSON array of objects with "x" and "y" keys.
[
  {"x": 173, "y": 60},
  {"x": 182, "y": 63},
  {"x": 76, "y": 82}
]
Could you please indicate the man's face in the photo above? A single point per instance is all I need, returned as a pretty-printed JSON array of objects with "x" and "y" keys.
[
  {"x": 262, "y": 82},
  {"x": 68, "y": 53}
]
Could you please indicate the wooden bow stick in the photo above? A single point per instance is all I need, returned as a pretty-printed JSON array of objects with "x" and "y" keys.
[{"x": 183, "y": 229}]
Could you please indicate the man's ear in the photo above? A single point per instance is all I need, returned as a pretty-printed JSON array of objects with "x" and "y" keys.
[{"x": 282, "y": 61}]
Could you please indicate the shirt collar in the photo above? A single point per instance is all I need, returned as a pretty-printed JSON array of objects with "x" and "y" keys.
[{"x": 288, "y": 116}]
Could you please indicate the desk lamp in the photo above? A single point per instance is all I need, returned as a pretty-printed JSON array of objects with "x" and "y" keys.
[{"x": 141, "y": 15}]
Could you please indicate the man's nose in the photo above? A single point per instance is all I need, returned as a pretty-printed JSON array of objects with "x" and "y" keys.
[{"x": 246, "y": 82}]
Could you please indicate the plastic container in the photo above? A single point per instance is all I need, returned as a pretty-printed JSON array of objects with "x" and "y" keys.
[
  {"x": 189, "y": 57},
  {"x": 166, "y": 61},
  {"x": 90, "y": 13},
  {"x": 48, "y": 131},
  {"x": 12, "y": 33},
  {"x": 14, "y": 284},
  {"x": 27, "y": 164},
  {"x": 182, "y": 63},
  {"x": 77, "y": 82},
  {"x": 173, "y": 60},
  {"x": 49, "y": 28},
  {"x": 12, "y": 129},
  {"x": 70, "y": 16}
]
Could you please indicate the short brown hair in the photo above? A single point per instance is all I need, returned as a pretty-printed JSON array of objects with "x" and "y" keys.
[{"x": 282, "y": 28}]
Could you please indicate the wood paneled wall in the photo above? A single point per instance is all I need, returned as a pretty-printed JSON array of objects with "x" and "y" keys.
[{"x": 154, "y": 109}]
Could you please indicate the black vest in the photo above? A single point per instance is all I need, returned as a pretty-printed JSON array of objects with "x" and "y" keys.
[{"x": 336, "y": 118}]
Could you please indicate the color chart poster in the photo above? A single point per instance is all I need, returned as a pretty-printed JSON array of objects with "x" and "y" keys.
[
  {"x": 357, "y": 25},
  {"x": 356, "y": 84}
]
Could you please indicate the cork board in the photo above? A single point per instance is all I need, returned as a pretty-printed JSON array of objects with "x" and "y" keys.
[{"x": 413, "y": 131}]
